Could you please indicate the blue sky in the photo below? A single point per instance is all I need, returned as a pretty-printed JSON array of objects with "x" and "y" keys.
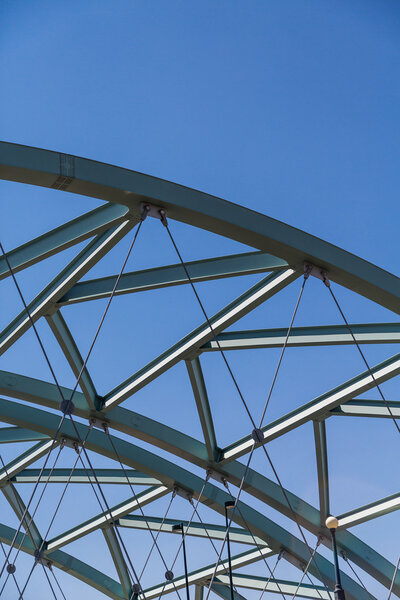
[{"x": 289, "y": 108}]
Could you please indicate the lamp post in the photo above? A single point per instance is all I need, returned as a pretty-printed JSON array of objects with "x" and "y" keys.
[
  {"x": 332, "y": 524},
  {"x": 179, "y": 527},
  {"x": 228, "y": 506}
]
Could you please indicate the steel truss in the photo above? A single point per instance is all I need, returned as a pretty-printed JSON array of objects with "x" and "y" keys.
[{"x": 280, "y": 253}]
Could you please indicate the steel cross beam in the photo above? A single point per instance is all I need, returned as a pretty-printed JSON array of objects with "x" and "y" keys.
[
  {"x": 257, "y": 294},
  {"x": 103, "y": 476},
  {"x": 326, "y": 335},
  {"x": 369, "y": 511},
  {"x": 45, "y": 301},
  {"x": 171, "y": 475},
  {"x": 118, "y": 559},
  {"x": 27, "y": 458},
  {"x": 367, "y": 408},
  {"x": 224, "y": 591},
  {"x": 18, "y": 434},
  {"x": 321, "y": 454},
  {"x": 275, "y": 586},
  {"x": 216, "y": 532},
  {"x": 160, "y": 277},
  {"x": 71, "y": 352},
  {"x": 107, "y": 517},
  {"x": 63, "y": 237},
  {"x": 122, "y": 186},
  {"x": 68, "y": 563},
  {"x": 18, "y": 506},
  {"x": 203, "y": 407},
  {"x": 319, "y": 407}
]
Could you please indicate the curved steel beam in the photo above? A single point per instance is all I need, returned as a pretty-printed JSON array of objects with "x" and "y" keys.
[
  {"x": 98, "y": 580},
  {"x": 195, "y": 451},
  {"x": 171, "y": 475},
  {"x": 36, "y": 166},
  {"x": 63, "y": 237}
]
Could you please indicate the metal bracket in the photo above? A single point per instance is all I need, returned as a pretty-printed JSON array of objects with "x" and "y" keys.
[
  {"x": 151, "y": 210},
  {"x": 69, "y": 443},
  {"x": 315, "y": 271},
  {"x": 40, "y": 558},
  {"x": 98, "y": 423},
  {"x": 217, "y": 476},
  {"x": 183, "y": 493}
]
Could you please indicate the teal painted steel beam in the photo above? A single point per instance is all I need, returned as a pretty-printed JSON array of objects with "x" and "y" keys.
[
  {"x": 25, "y": 459},
  {"x": 46, "y": 394},
  {"x": 104, "y": 476},
  {"x": 319, "y": 407},
  {"x": 368, "y": 408},
  {"x": 67, "y": 563},
  {"x": 119, "y": 560},
  {"x": 202, "y": 530},
  {"x": 63, "y": 237},
  {"x": 371, "y": 333},
  {"x": 18, "y": 506},
  {"x": 45, "y": 301},
  {"x": 18, "y": 434},
  {"x": 224, "y": 591},
  {"x": 122, "y": 186},
  {"x": 171, "y": 475},
  {"x": 209, "y": 269},
  {"x": 199, "y": 592},
  {"x": 71, "y": 352},
  {"x": 257, "y": 294},
  {"x": 39, "y": 392},
  {"x": 105, "y": 518},
  {"x": 194, "y": 451},
  {"x": 322, "y": 468},
  {"x": 203, "y": 406},
  {"x": 369, "y": 511},
  {"x": 275, "y": 586}
]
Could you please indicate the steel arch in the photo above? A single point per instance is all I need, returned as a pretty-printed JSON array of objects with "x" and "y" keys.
[{"x": 281, "y": 252}]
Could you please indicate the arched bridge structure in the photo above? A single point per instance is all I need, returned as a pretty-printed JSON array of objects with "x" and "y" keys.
[{"x": 171, "y": 461}]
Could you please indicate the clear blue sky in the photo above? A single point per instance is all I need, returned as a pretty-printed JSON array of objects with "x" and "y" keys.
[{"x": 290, "y": 108}]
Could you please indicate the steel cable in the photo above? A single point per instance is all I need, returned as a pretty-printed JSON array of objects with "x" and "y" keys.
[
  {"x": 328, "y": 285},
  {"x": 186, "y": 530},
  {"x": 306, "y": 569},
  {"x": 144, "y": 214},
  {"x": 394, "y": 578},
  {"x": 27, "y": 526},
  {"x": 135, "y": 497},
  {"x": 344, "y": 556},
  {"x": 306, "y": 275},
  {"x": 272, "y": 571},
  {"x": 246, "y": 524},
  {"x": 157, "y": 534}
]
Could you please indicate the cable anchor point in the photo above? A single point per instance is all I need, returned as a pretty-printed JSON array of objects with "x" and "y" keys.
[
  {"x": 99, "y": 424},
  {"x": 318, "y": 272},
  {"x": 151, "y": 210},
  {"x": 67, "y": 442},
  {"x": 40, "y": 558},
  {"x": 145, "y": 211}
]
